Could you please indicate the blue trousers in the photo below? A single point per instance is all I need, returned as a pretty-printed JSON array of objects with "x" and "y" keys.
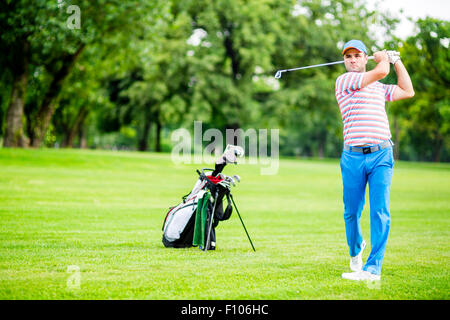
[{"x": 357, "y": 170}]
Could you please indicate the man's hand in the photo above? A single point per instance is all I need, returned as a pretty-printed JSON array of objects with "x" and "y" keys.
[
  {"x": 380, "y": 56},
  {"x": 394, "y": 56}
]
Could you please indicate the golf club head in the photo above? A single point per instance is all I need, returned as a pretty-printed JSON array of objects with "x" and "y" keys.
[
  {"x": 224, "y": 184},
  {"x": 236, "y": 178},
  {"x": 278, "y": 74},
  {"x": 227, "y": 179}
]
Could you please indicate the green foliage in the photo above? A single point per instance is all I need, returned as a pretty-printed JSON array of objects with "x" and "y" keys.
[
  {"x": 232, "y": 40},
  {"x": 425, "y": 121},
  {"x": 160, "y": 65},
  {"x": 55, "y": 45}
]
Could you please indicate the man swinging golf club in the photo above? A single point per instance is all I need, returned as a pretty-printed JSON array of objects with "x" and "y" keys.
[{"x": 367, "y": 155}]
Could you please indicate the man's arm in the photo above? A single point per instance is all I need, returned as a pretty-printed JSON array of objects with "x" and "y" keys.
[
  {"x": 379, "y": 72},
  {"x": 404, "y": 88}
]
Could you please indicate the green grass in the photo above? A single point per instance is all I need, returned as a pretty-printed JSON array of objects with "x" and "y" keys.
[{"x": 103, "y": 212}]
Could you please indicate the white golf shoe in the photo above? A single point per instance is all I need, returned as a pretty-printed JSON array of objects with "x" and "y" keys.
[
  {"x": 361, "y": 276},
  {"x": 356, "y": 263}
]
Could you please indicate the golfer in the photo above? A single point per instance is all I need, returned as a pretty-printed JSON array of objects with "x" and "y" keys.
[{"x": 367, "y": 156}]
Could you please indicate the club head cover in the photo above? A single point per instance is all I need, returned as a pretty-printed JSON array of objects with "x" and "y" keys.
[{"x": 230, "y": 154}]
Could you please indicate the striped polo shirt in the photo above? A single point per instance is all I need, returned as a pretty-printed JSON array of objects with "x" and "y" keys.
[{"x": 363, "y": 109}]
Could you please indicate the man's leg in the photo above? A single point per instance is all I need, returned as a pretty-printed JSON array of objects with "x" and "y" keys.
[
  {"x": 380, "y": 176},
  {"x": 354, "y": 186}
]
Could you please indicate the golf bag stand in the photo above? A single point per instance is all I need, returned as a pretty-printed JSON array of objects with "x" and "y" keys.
[{"x": 242, "y": 222}]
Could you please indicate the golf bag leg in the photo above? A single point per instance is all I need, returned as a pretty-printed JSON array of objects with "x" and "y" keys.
[
  {"x": 212, "y": 242},
  {"x": 245, "y": 229}
]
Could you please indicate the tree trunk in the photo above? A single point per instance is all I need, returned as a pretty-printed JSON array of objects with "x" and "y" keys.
[
  {"x": 143, "y": 141},
  {"x": 439, "y": 142},
  {"x": 42, "y": 122},
  {"x": 74, "y": 130},
  {"x": 322, "y": 138},
  {"x": 83, "y": 137},
  {"x": 396, "y": 139},
  {"x": 158, "y": 134},
  {"x": 229, "y": 46},
  {"x": 321, "y": 149},
  {"x": 47, "y": 107},
  {"x": 14, "y": 126}
]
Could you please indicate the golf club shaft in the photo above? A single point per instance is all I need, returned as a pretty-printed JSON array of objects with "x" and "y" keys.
[
  {"x": 278, "y": 74},
  {"x": 231, "y": 196},
  {"x": 314, "y": 66}
]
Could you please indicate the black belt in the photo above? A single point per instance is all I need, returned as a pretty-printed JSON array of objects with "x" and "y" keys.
[{"x": 367, "y": 150}]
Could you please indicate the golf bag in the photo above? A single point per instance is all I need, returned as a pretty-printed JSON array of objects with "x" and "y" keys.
[
  {"x": 189, "y": 223},
  {"x": 193, "y": 221}
]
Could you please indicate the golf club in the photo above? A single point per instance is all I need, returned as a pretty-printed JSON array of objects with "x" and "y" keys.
[
  {"x": 279, "y": 72},
  {"x": 229, "y": 179}
]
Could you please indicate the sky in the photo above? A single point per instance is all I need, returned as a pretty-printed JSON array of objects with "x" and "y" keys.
[{"x": 414, "y": 9}]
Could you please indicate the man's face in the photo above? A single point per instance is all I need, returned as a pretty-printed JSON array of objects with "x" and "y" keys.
[{"x": 355, "y": 61}]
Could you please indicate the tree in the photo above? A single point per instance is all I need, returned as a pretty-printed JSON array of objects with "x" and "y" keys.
[
  {"x": 231, "y": 42},
  {"x": 153, "y": 90},
  {"x": 424, "y": 121},
  {"x": 16, "y": 51},
  {"x": 44, "y": 36}
]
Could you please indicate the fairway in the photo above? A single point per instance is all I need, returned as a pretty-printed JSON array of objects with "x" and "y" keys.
[{"x": 84, "y": 224}]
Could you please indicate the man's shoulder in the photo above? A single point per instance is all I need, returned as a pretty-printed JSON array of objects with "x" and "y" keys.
[{"x": 349, "y": 80}]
